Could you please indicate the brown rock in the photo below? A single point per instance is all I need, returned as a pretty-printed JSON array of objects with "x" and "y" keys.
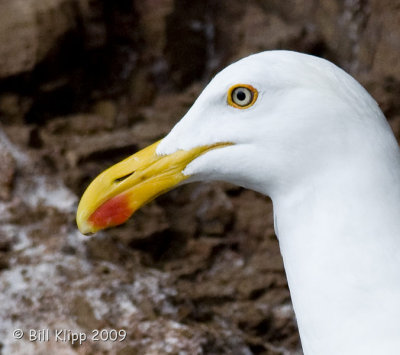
[
  {"x": 7, "y": 173},
  {"x": 10, "y": 108},
  {"x": 29, "y": 29},
  {"x": 19, "y": 134},
  {"x": 215, "y": 212},
  {"x": 152, "y": 20},
  {"x": 82, "y": 124},
  {"x": 83, "y": 313},
  {"x": 107, "y": 110}
]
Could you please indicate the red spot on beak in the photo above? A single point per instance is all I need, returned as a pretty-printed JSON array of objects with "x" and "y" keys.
[{"x": 111, "y": 213}]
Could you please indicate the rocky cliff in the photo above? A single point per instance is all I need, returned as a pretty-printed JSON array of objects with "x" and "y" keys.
[{"x": 84, "y": 83}]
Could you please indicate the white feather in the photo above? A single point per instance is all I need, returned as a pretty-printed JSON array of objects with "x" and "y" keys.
[{"x": 317, "y": 143}]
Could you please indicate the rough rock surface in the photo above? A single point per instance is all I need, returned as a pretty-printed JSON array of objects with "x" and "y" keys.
[
  {"x": 85, "y": 83},
  {"x": 29, "y": 30}
]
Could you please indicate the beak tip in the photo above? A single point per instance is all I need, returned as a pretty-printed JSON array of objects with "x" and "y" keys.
[
  {"x": 85, "y": 228},
  {"x": 86, "y": 233}
]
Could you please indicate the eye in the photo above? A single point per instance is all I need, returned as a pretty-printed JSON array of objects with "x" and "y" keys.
[{"x": 242, "y": 96}]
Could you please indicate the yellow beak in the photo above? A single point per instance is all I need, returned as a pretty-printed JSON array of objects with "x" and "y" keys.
[{"x": 119, "y": 191}]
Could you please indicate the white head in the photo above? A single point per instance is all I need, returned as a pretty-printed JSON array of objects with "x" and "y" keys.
[
  {"x": 307, "y": 113},
  {"x": 303, "y": 116}
]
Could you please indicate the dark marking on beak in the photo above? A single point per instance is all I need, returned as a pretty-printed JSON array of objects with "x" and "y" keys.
[{"x": 122, "y": 178}]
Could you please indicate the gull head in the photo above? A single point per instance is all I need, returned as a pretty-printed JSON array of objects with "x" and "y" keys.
[{"x": 268, "y": 122}]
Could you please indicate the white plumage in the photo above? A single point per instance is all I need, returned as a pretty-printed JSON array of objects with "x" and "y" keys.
[{"x": 318, "y": 145}]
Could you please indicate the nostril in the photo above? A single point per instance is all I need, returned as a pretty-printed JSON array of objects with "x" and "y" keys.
[{"x": 122, "y": 178}]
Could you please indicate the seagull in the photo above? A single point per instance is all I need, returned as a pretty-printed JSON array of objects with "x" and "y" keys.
[{"x": 302, "y": 131}]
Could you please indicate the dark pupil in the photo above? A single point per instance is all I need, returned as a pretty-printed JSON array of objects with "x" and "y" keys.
[{"x": 241, "y": 95}]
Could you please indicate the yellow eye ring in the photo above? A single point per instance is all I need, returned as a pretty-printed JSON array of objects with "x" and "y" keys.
[{"x": 242, "y": 96}]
